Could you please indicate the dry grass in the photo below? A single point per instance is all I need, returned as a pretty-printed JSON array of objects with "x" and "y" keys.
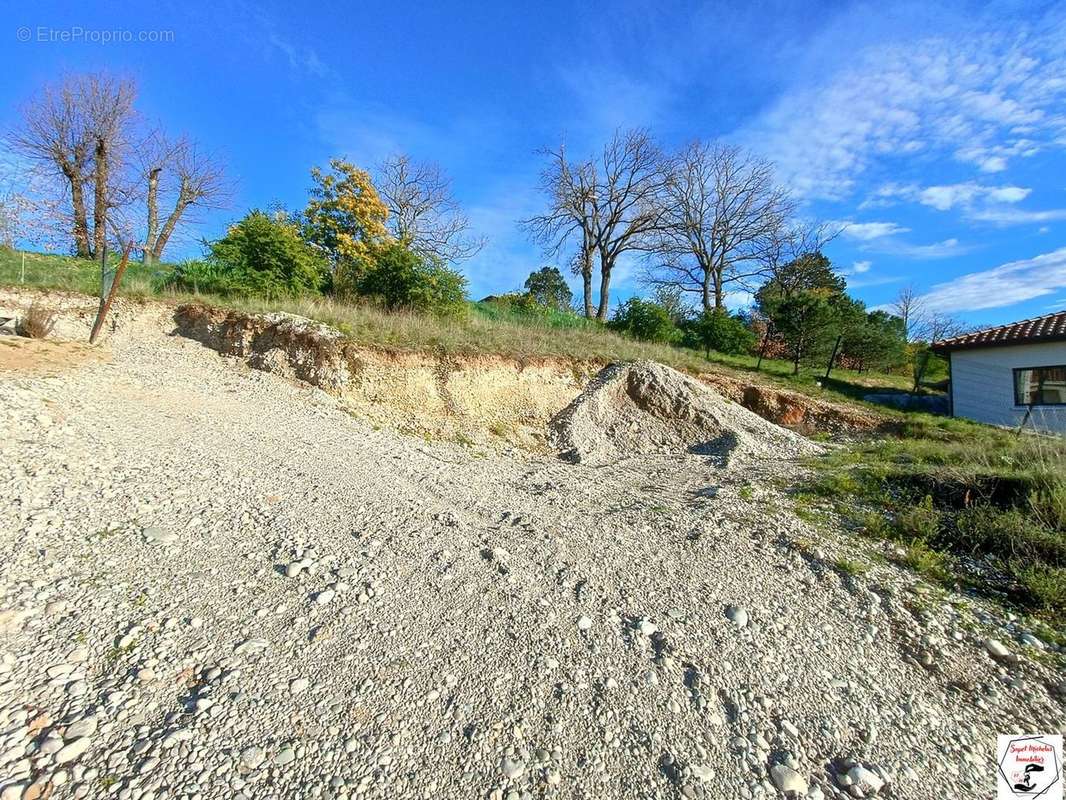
[{"x": 38, "y": 322}]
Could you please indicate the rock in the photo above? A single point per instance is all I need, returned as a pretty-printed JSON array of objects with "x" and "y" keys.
[
  {"x": 176, "y": 737},
  {"x": 584, "y": 623},
  {"x": 996, "y": 648},
  {"x": 1032, "y": 641},
  {"x": 157, "y": 535},
  {"x": 252, "y": 757},
  {"x": 737, "y": 615},
  {"x": 788, "y": 780},
  {"x": 284, "y": 756},
  {"x": 86, "y": 726},
  {"x": 73, "y": 750},
  {"x": 512, "y": 768},
  {"x": 647, "y": 627},
  {"x": 866, "y": 780},
  {"x": 323, "y": 597},
  {"x": 702, "y": 772},
  {"x": 298, "y": 685}
]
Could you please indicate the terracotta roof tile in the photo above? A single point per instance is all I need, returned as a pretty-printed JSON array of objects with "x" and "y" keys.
[{"x": 1048, "y": 328}]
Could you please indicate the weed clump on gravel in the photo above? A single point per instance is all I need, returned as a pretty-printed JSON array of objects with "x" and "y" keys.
[{"x": 967, "y": 503}]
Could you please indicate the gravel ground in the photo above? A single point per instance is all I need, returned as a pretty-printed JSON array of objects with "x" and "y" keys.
[{"x": 219, "y": 584}]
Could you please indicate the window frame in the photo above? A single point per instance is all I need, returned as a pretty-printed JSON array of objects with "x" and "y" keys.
[{"x": 1014, "y": 386}]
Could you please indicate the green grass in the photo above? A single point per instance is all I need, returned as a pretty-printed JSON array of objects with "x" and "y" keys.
[
  {"x": 486, "y": 329},
  {"x": 969, "y": 504}
]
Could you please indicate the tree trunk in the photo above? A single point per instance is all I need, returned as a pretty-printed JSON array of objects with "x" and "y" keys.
[
  {"x": 81, "y": 224},
  {"x": 707, "y": 290},
  {"x": 77, "y": 201},
  {"x": 153, "y": 217},
  {"x": 832, "y": 358},
  {"x": 586, "y": 283},
  {"x": 605, "y": 290},
  {"x": 100, "y": 198},
  {"x": 762, "y": 347},
  {"x": 170, "y": 224}
]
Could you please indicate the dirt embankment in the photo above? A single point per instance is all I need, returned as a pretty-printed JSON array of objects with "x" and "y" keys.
[{"x": 473, "y": 397}]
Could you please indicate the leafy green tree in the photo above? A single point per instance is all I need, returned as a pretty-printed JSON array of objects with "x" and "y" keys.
[
  {"x": 879, "y": 342},
  {"x": 850, "y": 318},
  {"x": 262, "y": 254},
  {"x": 804, "y": 304},
  {"x": 644, "y": 320},
  {"x": 548, "y": 288},
  {"x": 719, "y": 330},
  {"x": 399, "y": 278}
]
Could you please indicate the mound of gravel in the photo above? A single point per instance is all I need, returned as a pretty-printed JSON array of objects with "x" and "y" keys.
[{"x": 645, "y": 408}]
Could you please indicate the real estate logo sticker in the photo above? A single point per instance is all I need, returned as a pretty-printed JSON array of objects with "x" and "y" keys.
[{"x": 1029, "y": 767}]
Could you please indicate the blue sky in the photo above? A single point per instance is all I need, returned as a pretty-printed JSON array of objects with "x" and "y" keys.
[{"x": 937, "y": 131}]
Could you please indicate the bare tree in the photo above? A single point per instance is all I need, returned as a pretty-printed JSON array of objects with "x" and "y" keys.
[
  {"x": 723, "y": 214},
  {"x": 608, "y": 206},
  {"x": 571, "y": 215},
  {"x": 423, "y": 214},
  {"x": 178, "y": 169},
  {"x": 922, "y": 323},
  {"x": 77, "y": 131},
  {"x": 908, "y": 306}
]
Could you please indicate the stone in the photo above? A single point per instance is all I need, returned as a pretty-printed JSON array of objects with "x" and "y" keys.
[
  {"x": 584, "y": 623},
  {"x": 252, "y": 757},
  {"x": 866, "y": 780},
  {"x": 737, "y": 615},
  {"x": 298, "y": 685},
  {"x": 512, "y": 768},
  {"x": 996, "y": 648},
  {"x": 73, "y": 750},
  {"x": 157, "y": 535},
  {"x": 788, "y": 780}
]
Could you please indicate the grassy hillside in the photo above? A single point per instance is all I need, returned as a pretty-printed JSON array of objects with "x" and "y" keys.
[{"x": 487, "y": 329}]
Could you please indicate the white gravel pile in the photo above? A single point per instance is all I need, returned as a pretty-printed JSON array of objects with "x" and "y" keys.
[
  {"x": 646, "y": 408},
  {"x": 217, "y": 583}
]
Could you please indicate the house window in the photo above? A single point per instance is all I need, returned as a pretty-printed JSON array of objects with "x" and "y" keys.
[{"x": 1040, "y": 386}]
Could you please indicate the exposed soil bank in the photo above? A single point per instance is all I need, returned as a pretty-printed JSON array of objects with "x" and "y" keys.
[{"x": 449, "y": 395}]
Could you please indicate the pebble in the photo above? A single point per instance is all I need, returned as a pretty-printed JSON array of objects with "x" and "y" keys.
[
  {"x": 584, "y": 623},
  {"x": 788, "y": 780},
  {"x": 737, "y": 615},
  {"x": 73, "y": 750}
]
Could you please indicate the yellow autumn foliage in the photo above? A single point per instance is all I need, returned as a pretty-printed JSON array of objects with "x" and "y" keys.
[{"x": 345, "y": 217}]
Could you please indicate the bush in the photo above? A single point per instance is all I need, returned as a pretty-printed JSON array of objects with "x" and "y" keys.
[
  {"x": 399, "y": 278},
  {"x": 718, "y": 330},
  {"x": 644, "y": 320},
  {"x": 262, "y": 254},
  {"x": 38, "y": 322}
]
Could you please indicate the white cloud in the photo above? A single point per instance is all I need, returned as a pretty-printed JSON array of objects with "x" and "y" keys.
[
  {"x": 1005, "y": 285},
  {"x": 868, "y": 231},
  {"x": 947, "y": 196},
  {"x": 302, "y": 59},
  {"x": 1019, "y": 216},
  {"x": 860, "y": 267},
  {"x": 985, "y": 93},
  {"x": 945, "y": 249}
]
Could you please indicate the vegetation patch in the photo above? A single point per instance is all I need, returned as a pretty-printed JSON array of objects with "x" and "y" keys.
[{"x": 967, "y": 503}]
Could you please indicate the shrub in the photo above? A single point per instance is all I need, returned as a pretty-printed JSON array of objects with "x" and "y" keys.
[
  {"x": 38, "y": 322},
  {"x": 644, "y": 320},
  {"x": 399, "y": 278},
  {"x": 719, "y": 330},
  {"x": 262, "y": 254}
]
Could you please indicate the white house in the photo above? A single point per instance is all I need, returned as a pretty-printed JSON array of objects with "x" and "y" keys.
[{"x": 1011, "y": 374}]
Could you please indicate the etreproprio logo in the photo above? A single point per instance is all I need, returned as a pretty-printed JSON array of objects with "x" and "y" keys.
[{"x": 1029, "y": 767}]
